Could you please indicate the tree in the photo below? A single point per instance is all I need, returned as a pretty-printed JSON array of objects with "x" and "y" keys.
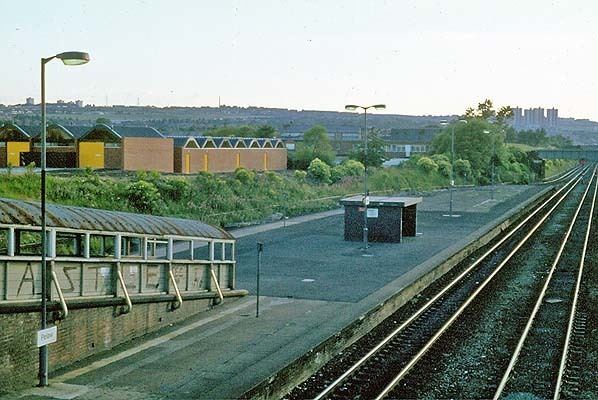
[
  {"x": 376, "y": 151},
  {"x": 103, "y": 120},
  {"x": 266, "y": 131},
  {"x": 503, "y": 114},
  {"x": 473, "y": 141},
  {"x": 486, "y": 109},
  {"x": 316, "y": 144}
]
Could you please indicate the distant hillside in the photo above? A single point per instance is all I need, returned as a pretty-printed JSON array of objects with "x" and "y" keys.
[{"x": 196, "y": 120}]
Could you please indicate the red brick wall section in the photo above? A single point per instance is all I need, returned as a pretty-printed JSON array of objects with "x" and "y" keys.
[
  {"x": 3, "y": 156},
  {"x": 225, "y": 160},
  {"x": 83, "y": 333},
  {"x": 113, "y": 157},
  {"x": 148, "y": 154}
]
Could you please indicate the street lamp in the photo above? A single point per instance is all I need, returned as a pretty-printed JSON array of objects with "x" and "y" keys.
[
  {"x": 486, "y": 131},
  {"x": 68, "y": 58},
  {"x": 353, "y": 107},
  {"x": 452, "y": 185}
]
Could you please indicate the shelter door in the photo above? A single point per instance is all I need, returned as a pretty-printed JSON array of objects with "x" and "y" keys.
[
  {"x": 13, "y": 152},
  {"x": 91, "y": 154}
]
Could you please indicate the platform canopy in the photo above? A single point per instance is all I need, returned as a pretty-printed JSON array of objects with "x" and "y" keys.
[{"x": 25, "y": 213}]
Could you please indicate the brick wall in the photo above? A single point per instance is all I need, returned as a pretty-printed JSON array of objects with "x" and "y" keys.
[
  {"x": 113, "y": 157},
  {"x": 225, "y": 160},
  {"x": 148, "y": 154},
  {"x": 83, "y": 333},
  {"x": 3, "y": 157}
]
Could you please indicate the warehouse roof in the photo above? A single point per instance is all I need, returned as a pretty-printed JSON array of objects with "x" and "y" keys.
[
  {"x": 119, "y": 132},
  {"x": 17, "y": 212},
  {"x": 10, "y": 131}
]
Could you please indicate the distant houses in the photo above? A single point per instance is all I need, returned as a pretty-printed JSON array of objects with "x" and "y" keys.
[
  {"x": 399, "y": 143},
  {"x": 137, "y": 148}
]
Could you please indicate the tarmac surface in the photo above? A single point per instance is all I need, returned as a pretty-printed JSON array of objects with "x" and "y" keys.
[{"x": 312, "y": 284}]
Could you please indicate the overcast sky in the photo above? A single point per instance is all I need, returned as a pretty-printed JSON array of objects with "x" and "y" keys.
[{"x": 418, "y": 57}]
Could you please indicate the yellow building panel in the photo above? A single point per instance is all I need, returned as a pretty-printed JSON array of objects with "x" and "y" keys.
[
  {"x": 14, "y": 150},
  {"x": 91, "y": 154}
]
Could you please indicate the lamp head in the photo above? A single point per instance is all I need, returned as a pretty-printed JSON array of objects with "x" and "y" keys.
[
  {"x": 463, "y": 121},
  {"x": 379, "y": 106},
  {"x": 351, "y": 107},
  {"x": 73, "y": 57},
  {"x": 443, "y": 122}
]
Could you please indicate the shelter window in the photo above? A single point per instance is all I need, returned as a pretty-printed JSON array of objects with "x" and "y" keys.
[
  {"x": 131, "y": 246},
  {"x": 2, "y": 144},
  {"x": 69, "y": 244},
  {"x": 4, "y": 241},
  {"x": 101, "y": 246},
  {"x": 112, "y": 145},
  {"x": 157, "y": 248},
  {"x": 28, "y": 242}
]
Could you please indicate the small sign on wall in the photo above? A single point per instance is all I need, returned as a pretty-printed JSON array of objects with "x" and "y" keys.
[
  {"x": 47, "y": 336},
  {"x": 372, "y": 213}
]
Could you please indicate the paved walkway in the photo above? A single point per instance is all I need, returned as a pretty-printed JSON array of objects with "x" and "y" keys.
[{"x": 313, "y": 284}]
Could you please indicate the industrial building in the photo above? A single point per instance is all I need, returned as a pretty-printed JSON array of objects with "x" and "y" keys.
[
  {"x": 137, "y": 148},
  {"x": 126, "y": 148},
  {"x": 224, "y": 154}
]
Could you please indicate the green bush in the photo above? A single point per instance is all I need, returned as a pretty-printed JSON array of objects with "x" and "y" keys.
[
  {"x": 462, "y": 167},
  {"x": 319, "y": 171},
  {"x": 427, "y": 164},
  {"x": 337, "y": 173},
  {"x": 273, "y": 177},
  {"x": 444, "y": 167},
  {"x": 300, "y": 175},
  {"x": 143, "y": 197},
  {"x": 438, "y": 158},
  {"x": 353, "y": 168},
  {"x": 243, "y": 175}
]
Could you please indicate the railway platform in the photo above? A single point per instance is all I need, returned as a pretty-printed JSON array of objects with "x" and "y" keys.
[{"x": 312, "y": 285}]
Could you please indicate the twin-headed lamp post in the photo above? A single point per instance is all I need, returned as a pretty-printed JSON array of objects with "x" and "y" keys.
[
  {"x": 68, "y": 58},
  {"x": 452, "y": 186},
  {"x": 353, "y": 107}
]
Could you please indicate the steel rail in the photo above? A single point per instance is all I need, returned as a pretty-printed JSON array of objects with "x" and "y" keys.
[
  {"x": 539, "y": 301},
  {"x": 426, "y": 306},
  {"x": 470, "y": 299},
  {"x": 561, "y": 176},
  {"x": 565, "y": 353}
]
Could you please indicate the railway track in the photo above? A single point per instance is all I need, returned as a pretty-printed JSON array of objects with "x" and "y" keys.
[
  {"x": 539, "y": 361},
  {"x": 388, "y": 361}
]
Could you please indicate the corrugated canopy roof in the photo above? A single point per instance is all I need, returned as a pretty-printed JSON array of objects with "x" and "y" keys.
[{"x": 17, "y": 212}]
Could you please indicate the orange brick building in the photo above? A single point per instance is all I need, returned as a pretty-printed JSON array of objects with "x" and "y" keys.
[
  {"x": 221, "y": 154},
  {"x": 138, "y": 148},
  {"x": 126, "y": 148}
]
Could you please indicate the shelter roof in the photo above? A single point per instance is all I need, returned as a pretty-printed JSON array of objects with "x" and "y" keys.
[{"x": 18, "y": 212}]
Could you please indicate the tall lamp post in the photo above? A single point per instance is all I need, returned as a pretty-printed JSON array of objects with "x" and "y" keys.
[
  {"x": 68, "y": 58},
  {"x": 486, "y": 131},
  {"x": 452, "y": 185},
  {"x": 353, "y": 107}
]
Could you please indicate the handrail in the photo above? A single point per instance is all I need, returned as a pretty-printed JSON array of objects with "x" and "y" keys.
[
  {"x": 217, "y": 284},
  {"x": 65, "y": 310},
  {"x": 124, "y": 288},
  {"x": 179, "y": 298}
]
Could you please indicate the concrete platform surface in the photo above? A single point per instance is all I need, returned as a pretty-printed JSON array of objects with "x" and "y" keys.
[{"x": 313, "y": 284}]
